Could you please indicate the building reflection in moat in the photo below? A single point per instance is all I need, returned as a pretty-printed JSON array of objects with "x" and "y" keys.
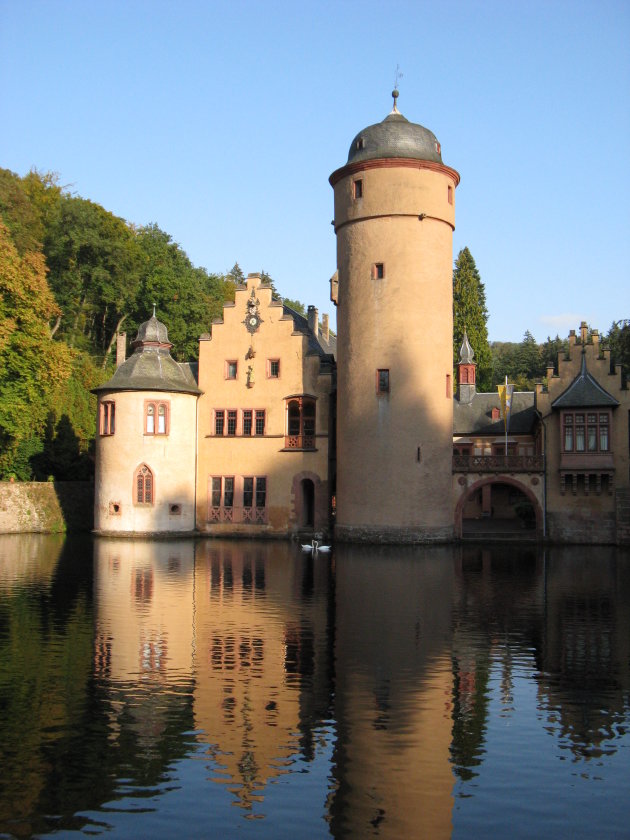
[{"x": 248, "y": 655}]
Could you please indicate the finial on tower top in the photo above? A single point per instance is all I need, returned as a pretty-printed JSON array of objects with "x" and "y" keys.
[{"x": 395, "y": 93}]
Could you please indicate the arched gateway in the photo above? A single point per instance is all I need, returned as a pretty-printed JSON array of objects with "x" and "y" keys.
[{"x": 499, "y": 505}]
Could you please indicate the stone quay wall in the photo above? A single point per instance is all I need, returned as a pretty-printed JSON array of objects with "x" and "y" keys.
[{"x": 46, "y": 507}]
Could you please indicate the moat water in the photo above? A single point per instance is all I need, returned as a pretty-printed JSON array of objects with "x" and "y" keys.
[{"x": 239, "y": 689}]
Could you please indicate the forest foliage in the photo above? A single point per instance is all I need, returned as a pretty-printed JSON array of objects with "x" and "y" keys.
[{"x": 72, "y": 275}]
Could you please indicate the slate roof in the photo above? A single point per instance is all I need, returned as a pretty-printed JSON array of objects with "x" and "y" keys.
[
  {"x": 151, "y": 366},
  {"x": 584, "y": 392},
  {"x": 395, "y": 137},
  {"x": 476, "y": 417},
  {"x": 316, "y": 343}
]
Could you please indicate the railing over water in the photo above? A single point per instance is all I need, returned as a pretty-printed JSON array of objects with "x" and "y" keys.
[{"x": 497, "y": 463}]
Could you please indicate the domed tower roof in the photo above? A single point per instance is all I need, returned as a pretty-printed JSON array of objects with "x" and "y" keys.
[
  {"x": 151, "y": 332},
  {"x": 151, "y": 366},
  {"x": 395, "y": 137}
]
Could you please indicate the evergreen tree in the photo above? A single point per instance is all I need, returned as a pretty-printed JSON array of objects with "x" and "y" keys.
[
  {"x": 470, "y": 313},
  {"x": 618, "y": 340}
]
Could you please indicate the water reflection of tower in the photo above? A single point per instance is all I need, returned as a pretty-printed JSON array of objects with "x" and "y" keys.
[
  {"x": 144, "y": 633},
  {"x": 262, "y": 660},
  {"x": 393, "y": 693}
]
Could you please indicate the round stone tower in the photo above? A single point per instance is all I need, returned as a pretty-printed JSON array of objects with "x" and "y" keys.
[
  {"x": 394, "y": 221},
  {"x": 145, "y": 441}
]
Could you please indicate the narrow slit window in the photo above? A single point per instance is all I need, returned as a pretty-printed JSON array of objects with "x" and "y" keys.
[
  {"x": 357, "y": 189},
  {"x": 378, "y": 271},
  {"x": 382, "y": 381}
]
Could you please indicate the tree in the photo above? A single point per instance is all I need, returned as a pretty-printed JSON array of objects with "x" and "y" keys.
[
  {"x": 470, "y": 314},
  {"x": 186, "y": 298},
  {"x": 32, "y": 366},
  {"x": 618, "y": 340},
  {"x": 295, "y": 305},
  {"x": 551, "y": 350},
  {"x": 95, "y": 264}
]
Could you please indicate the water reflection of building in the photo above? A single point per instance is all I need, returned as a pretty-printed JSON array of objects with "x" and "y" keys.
[
  {"x": 393, "y": 697},
  {"x": 585, "y": 661},
  {"x": 262, "y": 659},
  {"x": 497, "y": 610},
  {"x": 143, "y": 647}
]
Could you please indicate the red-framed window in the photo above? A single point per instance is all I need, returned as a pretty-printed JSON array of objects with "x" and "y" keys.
[
  {"x": 144, "y": 486},
  {"x": 156, "y": 417},
  {"x": 237, "y": 499},
  {"x": 586, "y": 431},
  {"x": 252, "y": 422},
  {"x": 108, "y": 417}
]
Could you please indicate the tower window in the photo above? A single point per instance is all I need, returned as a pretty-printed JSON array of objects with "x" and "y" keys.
[
  {"x": 360, "y": 144},
  {"x": 357, "y": 189},
  {"x": 156, "y": 418},
  {"x": 144, "y": 491},
  {"x": 450, "y": 194},
  {"x": 382, "y": 381},
  {"x": 448, "y": 385},
  {"x": 108, "y": 418},
  {"x": 378, "y": 271}
]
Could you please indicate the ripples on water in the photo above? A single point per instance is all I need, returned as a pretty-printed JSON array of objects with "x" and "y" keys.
[{"x": 220, "y": 689}]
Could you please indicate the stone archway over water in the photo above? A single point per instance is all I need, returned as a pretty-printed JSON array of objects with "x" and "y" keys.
[{"x": 498, "y": 507}]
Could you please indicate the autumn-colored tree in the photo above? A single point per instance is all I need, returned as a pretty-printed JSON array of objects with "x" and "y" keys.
[{"x": 32, "y": 365}]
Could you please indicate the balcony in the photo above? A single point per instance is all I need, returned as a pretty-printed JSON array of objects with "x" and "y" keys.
[
  {"x": 299, "y": 441},
  {"x": 497, "y": 463}
]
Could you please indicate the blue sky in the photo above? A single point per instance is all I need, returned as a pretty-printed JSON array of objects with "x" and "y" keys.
[{"x": 221, "y": 122}]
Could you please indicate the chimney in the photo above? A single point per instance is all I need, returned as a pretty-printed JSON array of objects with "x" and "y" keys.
[
  {"x": 121, "y": 348},
  {"x": 325, "y": 328},
  {"x": 583, "y": 331},
  {"x": 312, "y": 319}
]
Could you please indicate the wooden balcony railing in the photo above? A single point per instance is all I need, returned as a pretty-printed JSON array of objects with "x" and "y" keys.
[
  {"x": 497, "y": 463},
  {"x": 299, "y": 442}
]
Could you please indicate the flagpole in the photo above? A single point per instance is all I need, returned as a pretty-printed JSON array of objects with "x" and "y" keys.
[{"x": 505, "y": 417}]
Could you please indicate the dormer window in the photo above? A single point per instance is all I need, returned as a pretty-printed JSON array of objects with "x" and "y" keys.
[{"x": 360, "y": 144}]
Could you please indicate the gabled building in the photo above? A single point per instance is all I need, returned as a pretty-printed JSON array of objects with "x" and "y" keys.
[
  {"x": 585, "y": 412},
  {"x": 264, "y": 424}
]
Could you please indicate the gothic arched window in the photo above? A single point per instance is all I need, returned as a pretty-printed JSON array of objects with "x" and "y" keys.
[{"x": 144, "y": 493}]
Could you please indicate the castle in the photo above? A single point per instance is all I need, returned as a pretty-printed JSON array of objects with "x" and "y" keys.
[{"x": 284, "y": 429}]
